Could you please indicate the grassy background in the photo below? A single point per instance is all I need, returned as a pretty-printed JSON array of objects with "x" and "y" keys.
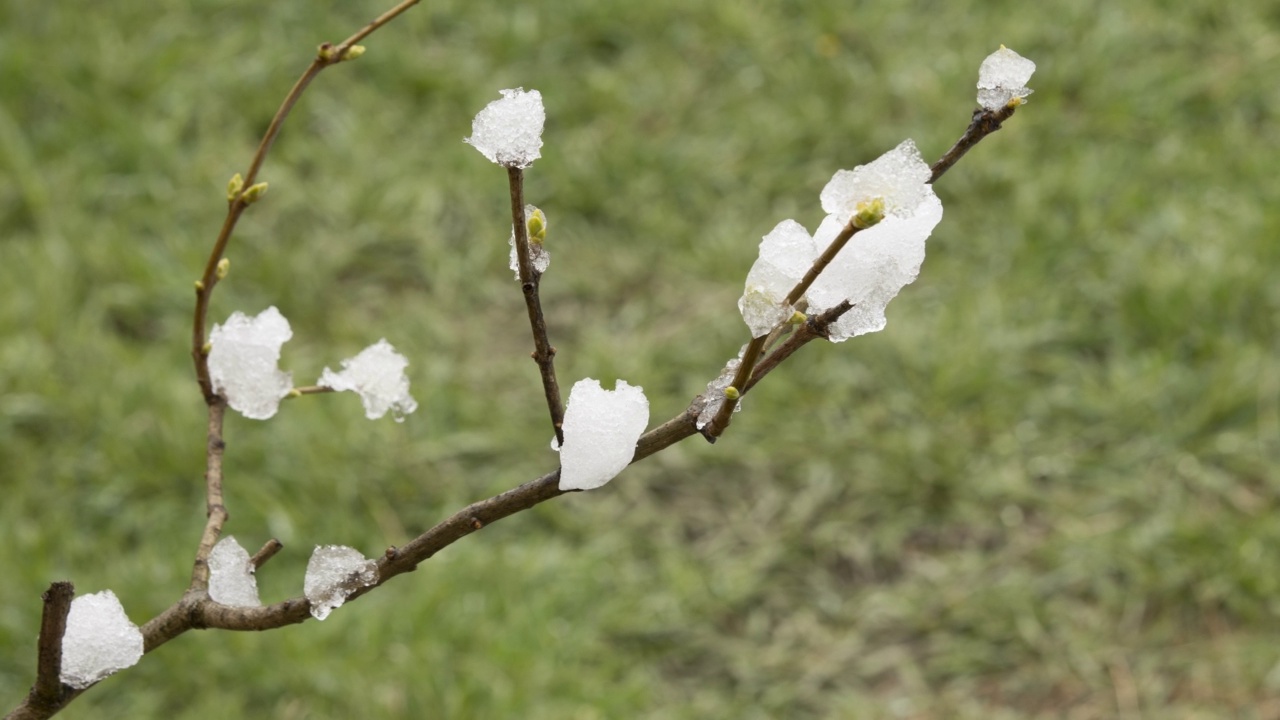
[{"x": 1048, "y": 489}]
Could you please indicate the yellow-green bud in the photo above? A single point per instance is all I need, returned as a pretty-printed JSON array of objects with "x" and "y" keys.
[
  {"x": 537, "y": 225},
  {"x": 199, "y": 286},
  {"x": 869, "y": 212},
  {"x": 732, "y": 393},
  {"x": 224, "y": 267},
  {"x": 254, "y": 193},
  {"x": 234, "y": 186},
  {"x": 325, "y": 52},
  {"x": 206, "y": 348},
  {"x": 797, "y": 317},
  {"x": 293, "y": 393},
  {"x": 1016, "y": 102},
  {"x": 353, "y": 52}
]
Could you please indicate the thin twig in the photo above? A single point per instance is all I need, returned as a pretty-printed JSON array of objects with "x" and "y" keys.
[
  {"x": 983, "y": 124},
  {"x": 267, "y": 552},
  {"x": 308, "y": 390},
  {"x": 543, "y": 353},
  {"x": 215, "y": 508},
  {"x": 816, "y": 326},
  {"x": 746, "y": 367},
  {"x": 326, "y": 56}
]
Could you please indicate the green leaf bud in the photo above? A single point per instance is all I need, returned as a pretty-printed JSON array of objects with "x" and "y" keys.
[
  {"x": 254, "y": 193},
  {"x": 234, "y": 186},
  {"x": 869, "y": 213}
]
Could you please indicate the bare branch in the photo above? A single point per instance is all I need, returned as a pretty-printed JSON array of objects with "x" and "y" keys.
[
  {"x": 984, "y": 123},
  {"x": 215, "y": 509},
  {"x": 326, "y": 56},
  {"x": 267, "y": 552},
  {"x": 543, "y": 353},
  {"x": 53, "y": 624}
]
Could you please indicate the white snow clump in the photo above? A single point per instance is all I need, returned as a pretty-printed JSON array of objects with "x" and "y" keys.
[
  {"x": 99, "y": 640},
  {"x": 601, "y": 428},
  {"x": 333, "y": 573},
  {"x": 868, "y": 271},
  {"x": 509, "y": 131},
  {"x": 871, "y": 269},
  {"x": 900, "y": 177},
  {"x": 231, "y": 575},
  {"x": 786, "y": 253},
  {"x": 242, "y": 362},
  {"x": 538, "y": 254},
  {"x": 377, "y": 374},
  {"x": 1002, "y": 78}
]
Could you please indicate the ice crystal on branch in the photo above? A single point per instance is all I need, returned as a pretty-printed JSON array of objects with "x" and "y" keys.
[
  {"x": 536, "y": 227},
  {"x": 243, "y": 356},
  {"x": 333, "y": 573},
  {"x": 1002, "y": 79},
  {"x": 377, "y": 374},
  {"x": 601, "y": 428},
  {"x": 877, "y": 262},
  {"x": 713, "y": 398},
  {"x": 99, "y": 640},
  {"x": 785, "y": 255},
  {"x": 899, "y": 177},
  {"x": 871, "y": 269},
  {"x": 231, "y": 577},
  {"x": 509, "y": 131}
]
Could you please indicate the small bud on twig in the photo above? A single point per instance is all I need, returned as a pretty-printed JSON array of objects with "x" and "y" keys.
[
  {"x": 869, "y": 212},
  {"x": 224, "y": 267},
  {"x": 234, "y": 186},
  {"x": 254, "y": 193}
]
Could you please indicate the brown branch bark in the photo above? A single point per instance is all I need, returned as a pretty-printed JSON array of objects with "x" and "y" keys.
[
  {"x": 215, "y": 509},
  {"x": 48, "y": 692},
  {"x": 543, "y": 353},
  {"x": 267, "y": 552},
  {"x": 983, "y": 124}
]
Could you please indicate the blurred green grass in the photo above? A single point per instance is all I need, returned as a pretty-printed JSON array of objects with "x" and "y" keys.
[{"x": 1047, "y": 489}]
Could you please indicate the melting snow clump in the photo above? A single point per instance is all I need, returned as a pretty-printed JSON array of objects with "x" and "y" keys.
[
  {"x": 509, "y": 131},
  {"x": 333, "y": 573},
  {"x": 1002, "y": 78},
  {"x": 871, "y": 269},
  {"x": 99, "y": 640},
  {"x": 786, "y": 254},
  {"x": 601, "y": 428},
  {"x": 242, "y": 362},
  {"x": 536, "y": 224},
  {"x": 877, "y": 262},
  {"x": 377, "y": 374},
  {"x": 714, "y": 396},
  {"x": 231, "y": 578},
  {"x": 899, "y": 177}
]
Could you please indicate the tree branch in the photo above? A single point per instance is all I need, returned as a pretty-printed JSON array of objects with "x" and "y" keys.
[
  {"x": 543, "y": 353},
  {"x": 327, "y": 55},
  {"x": 983, "y": 124},
  {"x": 215, "y": 510}
]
